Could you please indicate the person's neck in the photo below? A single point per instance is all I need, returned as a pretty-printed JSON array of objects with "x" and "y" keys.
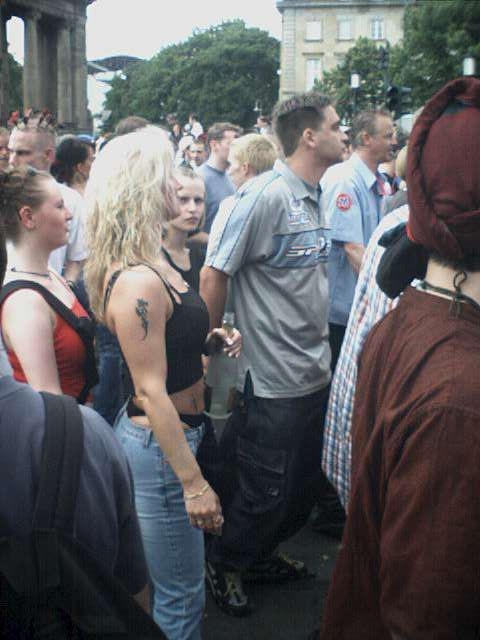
[
  {"x": 175, "y": 240},
  {"x": 442, "y": 276},
  {"x": 303, "y": 167},
  {"x": 28, "y": 257},
  {"x": 364, "y": 155},
  {"x": 217, "y": 163},
  {"x": 78, "y": 184}
]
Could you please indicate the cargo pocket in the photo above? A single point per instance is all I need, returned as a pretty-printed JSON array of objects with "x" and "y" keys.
[{"x": 261, "y": 475}]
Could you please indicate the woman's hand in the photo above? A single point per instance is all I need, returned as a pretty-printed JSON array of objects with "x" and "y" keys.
[
  {"x": 231, "y": 341},
  {"x": 204, "y": 510}
]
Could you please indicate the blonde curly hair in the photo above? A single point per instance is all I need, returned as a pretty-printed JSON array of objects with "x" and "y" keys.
[{"x": 130, "y": 195}]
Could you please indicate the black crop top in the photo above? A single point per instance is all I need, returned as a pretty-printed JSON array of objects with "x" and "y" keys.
[{"x": 185, "y": 334}]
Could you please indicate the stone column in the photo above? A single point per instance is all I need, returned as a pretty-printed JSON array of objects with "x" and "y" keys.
[
  {"x": 79, "y": 71},
  {"x": 4, "y": 69},
  {"x": 288, "y": 76},
  {"x": 64, "y": 74},
  {"x": 32, "y": 69}
]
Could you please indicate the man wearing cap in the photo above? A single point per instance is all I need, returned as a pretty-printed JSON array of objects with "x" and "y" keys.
[
  {"x": 410, "y": 561},
  {"x": 352, "y": 195}
]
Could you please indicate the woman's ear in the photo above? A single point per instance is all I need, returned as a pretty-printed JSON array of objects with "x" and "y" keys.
[{"x": 26, "y": 216}]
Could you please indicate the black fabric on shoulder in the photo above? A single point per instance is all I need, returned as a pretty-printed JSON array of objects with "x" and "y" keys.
[{"x": 402, "y": 261}]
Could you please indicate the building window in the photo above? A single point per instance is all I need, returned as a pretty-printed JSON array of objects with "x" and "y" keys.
[
  {"x": 344, "y": 29},
  {"x": 314, "y": 30},
  {"x": 378, "y": 29},
  {"x": 314, "y": 72}
]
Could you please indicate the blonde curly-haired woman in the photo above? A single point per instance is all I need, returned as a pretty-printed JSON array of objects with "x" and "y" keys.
[{"x": 162, "y": 326}]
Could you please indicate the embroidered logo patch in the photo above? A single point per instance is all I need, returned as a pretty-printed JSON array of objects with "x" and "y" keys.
[
  {"x": 344, "y": 202},
  {"x": 297, "y": 214}
]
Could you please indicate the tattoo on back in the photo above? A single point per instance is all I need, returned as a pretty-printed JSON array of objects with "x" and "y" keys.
[{"x": 142, "y": 312}]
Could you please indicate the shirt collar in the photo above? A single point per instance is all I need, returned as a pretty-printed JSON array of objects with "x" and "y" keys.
[
  {"x": 299, "y": 188},
  {"x": 364, "y": 172}
]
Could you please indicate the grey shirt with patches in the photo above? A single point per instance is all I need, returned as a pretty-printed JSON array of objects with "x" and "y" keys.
[{"x": 270, "y": 239}]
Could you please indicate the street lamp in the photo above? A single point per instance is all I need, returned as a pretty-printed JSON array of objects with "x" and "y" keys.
[
  {"x": 469, "y": 66},
  {"x": 355, "y": 87}
]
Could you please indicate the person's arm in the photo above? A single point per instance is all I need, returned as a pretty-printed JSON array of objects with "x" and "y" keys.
[
  {"x": 137, "y": 313},
  {"x": 28, "y": 327},
  {"x": 143, "y": 599},
  {"x": 73, "y": 269},
  {"x": 213, "y": 289},
  {"x": 355, "y": 253}
]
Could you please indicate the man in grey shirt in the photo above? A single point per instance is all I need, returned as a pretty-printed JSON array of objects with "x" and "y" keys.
[{"x": 273, "y": 248}]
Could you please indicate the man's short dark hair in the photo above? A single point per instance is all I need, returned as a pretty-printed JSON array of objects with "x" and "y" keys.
[
  {"x": 292, "y": 116},
  {"x": 218, "y": 130},
  {"x": 130, "y": 124},
  {"x": 366, "y": 122}
]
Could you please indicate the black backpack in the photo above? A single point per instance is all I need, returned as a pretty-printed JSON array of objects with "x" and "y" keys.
[
  {"x": 85, "y": 327},
  {"x": 51, "y": 586}
]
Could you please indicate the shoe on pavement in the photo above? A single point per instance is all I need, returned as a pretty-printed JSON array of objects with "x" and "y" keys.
[
  {"x": 329, "y": 521},
  {"x": 277, "y": 569},
  {"x": 227, "y": 590}
]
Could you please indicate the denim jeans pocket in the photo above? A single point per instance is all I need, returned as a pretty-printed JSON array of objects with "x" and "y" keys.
[{"x": 261, "y": 475}]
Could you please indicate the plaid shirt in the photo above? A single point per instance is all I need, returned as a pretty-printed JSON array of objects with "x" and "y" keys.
[{"x": 369, "y": 306}]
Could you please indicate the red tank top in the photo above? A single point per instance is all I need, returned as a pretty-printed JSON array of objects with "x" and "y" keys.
[{"x": 70, "y": 354}]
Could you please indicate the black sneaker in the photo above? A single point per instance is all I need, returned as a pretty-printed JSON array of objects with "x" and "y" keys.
[
  {"x": 227, "y": 590},
  {"x": 329, "y": 520},
  {"x": 277, "y": 569}
]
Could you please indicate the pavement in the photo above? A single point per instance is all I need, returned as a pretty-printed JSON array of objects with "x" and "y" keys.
[{"x": 289, "y": 611}]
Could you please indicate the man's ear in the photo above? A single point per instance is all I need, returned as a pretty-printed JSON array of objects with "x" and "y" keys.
[
  {"x": 308, "y": 137},
  {"x": 50, "y": 155},
  {"x": 245, "y": 167},
  {"x": 26, "y": 216}
]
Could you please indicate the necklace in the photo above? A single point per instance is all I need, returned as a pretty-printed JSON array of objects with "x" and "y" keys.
[
  {"x": 455, "y": 296},
  {"x": 30, "y": 273}
]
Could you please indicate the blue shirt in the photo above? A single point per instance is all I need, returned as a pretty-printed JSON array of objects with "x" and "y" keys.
[
  {"x": 217, "y": 187},
  {"x": 352, "y": 202}
]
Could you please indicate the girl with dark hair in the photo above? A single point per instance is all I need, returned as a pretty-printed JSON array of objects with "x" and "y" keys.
[{"x": 73, "y": 160}]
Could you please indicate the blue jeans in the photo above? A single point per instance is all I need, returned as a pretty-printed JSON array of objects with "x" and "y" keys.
[{"x": 174, "y": 549}]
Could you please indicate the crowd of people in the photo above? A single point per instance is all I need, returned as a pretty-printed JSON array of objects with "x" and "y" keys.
[{"x": 350, "y": 260}]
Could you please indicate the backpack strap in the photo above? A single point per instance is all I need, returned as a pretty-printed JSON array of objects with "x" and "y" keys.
[
  {"x": 61, "y": 462},
  {"x": 91, "y": 377},
  {"x": 58, "y": 306}
]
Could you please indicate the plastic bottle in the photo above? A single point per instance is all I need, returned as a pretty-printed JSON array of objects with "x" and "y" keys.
[{"x": 221, "y": 378}]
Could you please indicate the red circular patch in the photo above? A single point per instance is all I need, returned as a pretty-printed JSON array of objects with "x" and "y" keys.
[{"x": 344, "y": 201}]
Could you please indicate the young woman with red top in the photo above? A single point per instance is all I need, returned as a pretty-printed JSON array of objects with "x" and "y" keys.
[{"x": 44, "y": 349}]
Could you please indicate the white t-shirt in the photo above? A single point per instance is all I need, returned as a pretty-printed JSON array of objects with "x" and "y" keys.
[{"x": 76, "y": 249}]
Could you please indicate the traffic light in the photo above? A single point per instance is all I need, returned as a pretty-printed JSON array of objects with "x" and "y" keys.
[
  {"x": 405, "y": 100},
  {"x": 383, "y": 58},
  {"x": 393, "y": 99},
  {"x": 399, "y": 100}
]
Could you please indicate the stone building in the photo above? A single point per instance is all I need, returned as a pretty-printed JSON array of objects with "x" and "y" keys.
[
  {"x": 55, "y": 65},
  {"x": 316, "y": 34}
]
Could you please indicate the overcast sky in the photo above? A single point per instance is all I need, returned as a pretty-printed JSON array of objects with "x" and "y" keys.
[{"x": 142, "y": 27}]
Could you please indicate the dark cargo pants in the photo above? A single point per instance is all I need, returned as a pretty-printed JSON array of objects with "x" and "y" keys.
[{"x": 271, "y": 451}]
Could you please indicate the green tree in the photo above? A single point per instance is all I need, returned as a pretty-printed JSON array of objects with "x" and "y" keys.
[
  {"x": 15, "y": 94},
  {"x": 437, "y": 36},
  {"x": 363, "y": 58},
  {"x": 218, "y": 73}
]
